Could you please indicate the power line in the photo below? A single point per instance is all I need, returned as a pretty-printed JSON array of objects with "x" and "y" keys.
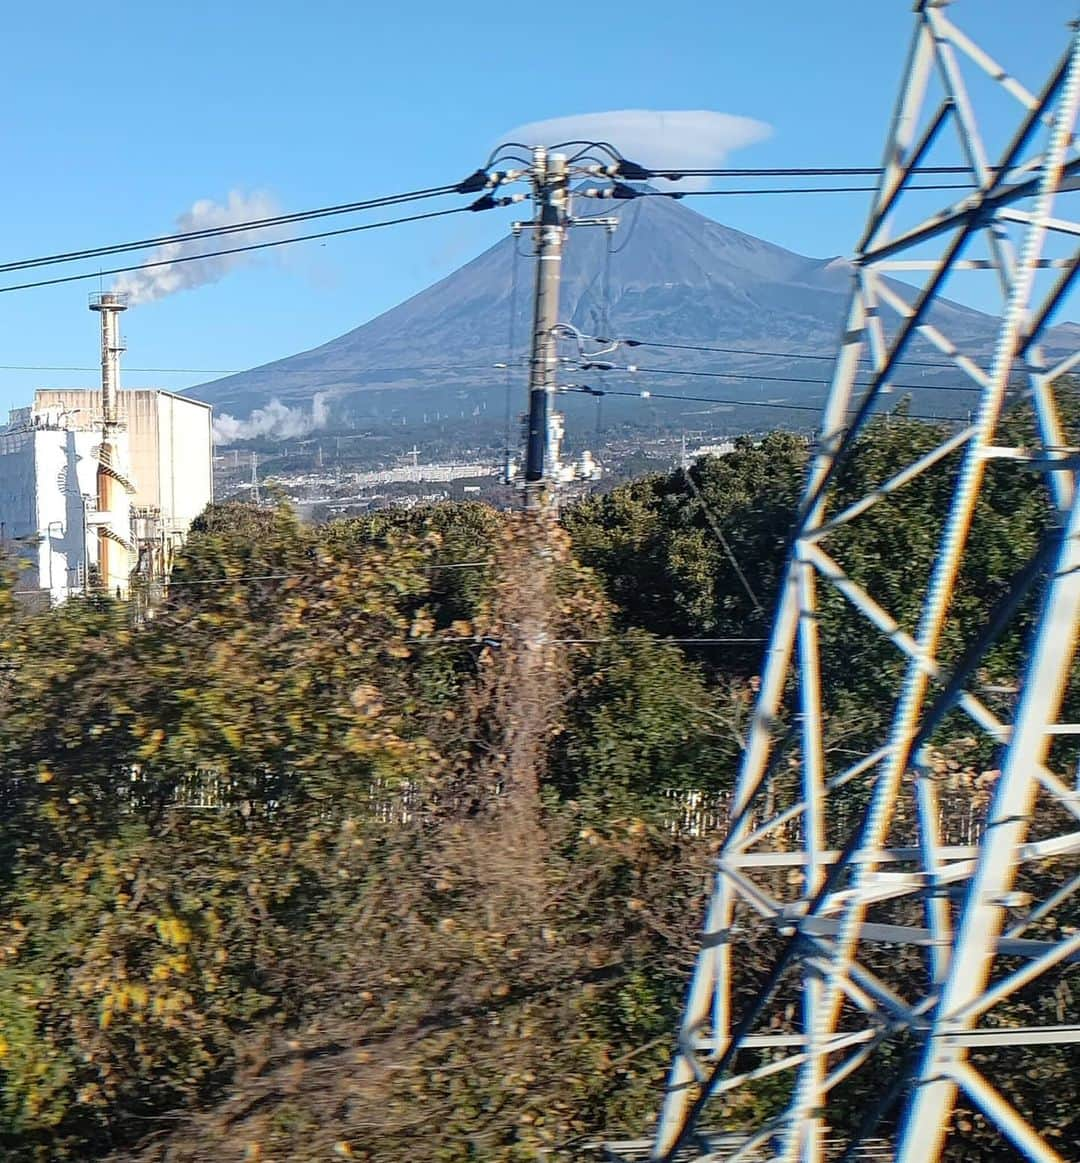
[
  {"x": 250, "y": 577},
  {"x": 677, "y": 194},
  {"x": 508, "y": 409},
  {"x": 229, "y": 228},
  {"x": 800, "y": 172},
  {"x": 648, "y": 395},
  {"x": 464, "y": 640},
  {"x": 752, "y": 351},
  {"x": 631, "y": 171},
  {"x": 662, "y": 641},
  {"x": 816, "y": 409},
  {"x": 437, "y": 191},
  {"x": 240, "y": 249},
  {"x": 327, "y": 374},
  {"x": 225, "y": 371},
  {"x": 714, "y": 525},
  {"x": 629, "y": 231},
  {"x": 233, "y": 371},
  {"x": 452, "y": 367},
  {"x": 228, "y": 579},
  {"x": 636, "y": 369}
]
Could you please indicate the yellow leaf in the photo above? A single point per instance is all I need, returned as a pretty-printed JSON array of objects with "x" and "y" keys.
[
  {"x": 173, "y": 931},
  {"x": 367, "y": 701}
]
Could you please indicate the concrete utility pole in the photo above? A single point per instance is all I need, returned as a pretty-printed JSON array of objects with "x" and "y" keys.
[{"x": 552, "y": 197}]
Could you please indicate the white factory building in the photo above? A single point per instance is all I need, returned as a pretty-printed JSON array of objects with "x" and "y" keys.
[{"x": 51, "y": 518}]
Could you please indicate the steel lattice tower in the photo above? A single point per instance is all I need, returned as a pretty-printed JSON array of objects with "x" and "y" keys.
[{"x": 844, "y": 859}]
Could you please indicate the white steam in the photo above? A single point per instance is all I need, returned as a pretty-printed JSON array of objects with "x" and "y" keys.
[
  {"x": 178, "y": 274},
  {"x": 277, "y": 421},
  {"x": 655, "y": 138}
]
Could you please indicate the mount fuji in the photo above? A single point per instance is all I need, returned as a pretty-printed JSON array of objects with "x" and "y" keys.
[{"x": 667, "y": 275}]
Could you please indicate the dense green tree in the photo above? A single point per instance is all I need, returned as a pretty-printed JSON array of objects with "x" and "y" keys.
[
  {"x": 699, "y": 553},
  {"x": 654, "y": 542},
  {"x": 644, "y": 722}
]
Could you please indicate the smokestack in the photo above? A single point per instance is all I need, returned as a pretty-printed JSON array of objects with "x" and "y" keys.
[
  {"x": 109, "y": 304},
  {"x": 114, "y": 553}
]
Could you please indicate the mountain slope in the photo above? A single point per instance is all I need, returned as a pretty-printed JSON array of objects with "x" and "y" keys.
[{"x": 673, "y": 276}]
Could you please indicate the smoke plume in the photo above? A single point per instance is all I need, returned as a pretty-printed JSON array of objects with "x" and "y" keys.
[
  {"x": 277, "y": 421},
  {"x": 654, "y": 138},
  {"x": 158, "y": 281}
]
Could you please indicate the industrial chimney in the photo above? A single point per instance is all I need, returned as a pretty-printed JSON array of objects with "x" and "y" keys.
[{"x": 114, "y": 544}]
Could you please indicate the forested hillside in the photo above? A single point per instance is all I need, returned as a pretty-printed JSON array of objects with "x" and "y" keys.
[{"x": 373, "y": 841}]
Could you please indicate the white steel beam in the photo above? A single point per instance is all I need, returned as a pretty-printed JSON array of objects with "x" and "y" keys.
[
  {"x": 791, "y": 791},
  {"x": 979, "y": 937}
]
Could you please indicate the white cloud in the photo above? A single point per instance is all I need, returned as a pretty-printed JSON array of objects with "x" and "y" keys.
[{"x": 654, "y": 138}]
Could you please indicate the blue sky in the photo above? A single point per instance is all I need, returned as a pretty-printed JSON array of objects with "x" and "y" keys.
[{"x": 116, "y": 120}]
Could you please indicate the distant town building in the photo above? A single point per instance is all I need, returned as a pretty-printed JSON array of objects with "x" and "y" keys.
[
  {"x": 161, "y": 465},
  {"x": 721, "y": 449}
]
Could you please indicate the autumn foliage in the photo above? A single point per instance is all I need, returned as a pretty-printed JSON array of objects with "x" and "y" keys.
[{"x": 363, "y": 845}]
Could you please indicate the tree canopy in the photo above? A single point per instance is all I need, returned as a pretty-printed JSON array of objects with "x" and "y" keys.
[{"x": 391, "y": 837}]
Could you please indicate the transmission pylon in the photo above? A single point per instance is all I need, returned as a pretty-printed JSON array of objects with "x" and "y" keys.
[{"x": 894, "y": 945}]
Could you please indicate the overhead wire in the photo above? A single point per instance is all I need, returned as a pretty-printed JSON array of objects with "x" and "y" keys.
[
  {"x": 286, "y": 219},
  {"x": 674, "y": 172},
  {"x": 497, "y": 153},
  {"x": 456, "y": 640},
  {"x": 638, "y": 369},
  {"x": 435, "y": 566},
  {"x": 647, "y": 396},
  {"x": 508, "y": 403},
  {"x": 632, "y": 342},
  {"x": 605, "y": 315},
  {"x": 636, "y": 212},
  {"x": 606, "y": 146},
  {"x": 798, "y": 171},
  {"x": 291, "y": 218},
  {"x": 714, "y": 525},
  {"x": 233, "y": 371},
  {"x": 752, "y": 377},
  {"x": 240, "y": 249},
  {"x": 353, "y": 207},
  {"x": 679, "y": 194},
  {"x": 227, "y": 228},
  {"x": 225, "y": 579},
  {"x": 452, "y": 366}
]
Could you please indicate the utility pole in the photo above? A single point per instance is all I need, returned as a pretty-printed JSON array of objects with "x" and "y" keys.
[
  {"x": 549, "y": 175},
  {"x": 551, "y": 197}
]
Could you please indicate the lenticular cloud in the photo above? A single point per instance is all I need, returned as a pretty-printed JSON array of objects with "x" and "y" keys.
[{"x": 654, "y": 138}]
